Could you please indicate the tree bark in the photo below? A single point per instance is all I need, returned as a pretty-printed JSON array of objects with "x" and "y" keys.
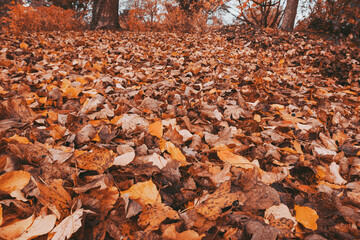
[
  {"x": 105, "y": 14},
  {"x": 289, "y": 15}
]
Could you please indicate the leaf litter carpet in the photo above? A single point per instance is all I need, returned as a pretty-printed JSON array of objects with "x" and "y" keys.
[{"x": 235, "y": 134}]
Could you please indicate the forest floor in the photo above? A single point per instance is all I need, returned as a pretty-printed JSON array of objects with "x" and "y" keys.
[{"x": 235, "y": 134}]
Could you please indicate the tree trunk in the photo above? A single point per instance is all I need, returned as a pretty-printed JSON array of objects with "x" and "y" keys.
[
  {"x": 289, "y": 15},
  {"x": 105, "y": 14}
]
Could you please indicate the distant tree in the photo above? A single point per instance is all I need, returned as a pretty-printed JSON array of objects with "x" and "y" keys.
[
  {"x": 289, "y": 15},
  {"x": 105, "y": 14}
]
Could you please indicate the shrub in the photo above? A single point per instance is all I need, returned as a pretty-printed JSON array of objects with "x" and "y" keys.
[{"x": 20, "y": 18}]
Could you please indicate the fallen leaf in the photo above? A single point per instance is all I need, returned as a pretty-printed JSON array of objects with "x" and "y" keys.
[
  {"x": 235, "y": 160},
  {"x": 19, "y": 139},
  {"x": 99, "y": 159},
  {"x": 143, "y": 193},
  {"x": 68, "y": 226},
  {"x": 279, "y": 216},
  {"x": 154, "y": 214},
  {"x": 126, "y": 157},
  {"x": 171, "y": 234},
  {"x": 176, "y": 154},
  {"x": 306, "y": 216},
  {"x": 15, "y": 180},
  {"x": 55, "y": 197},
  {"x": 157, "y": 160},
  {"x": 221, "y": 198},
  {"x": 15, "y": 228},
  {"x": 156, "y": 129},
  {"x": 41, "y": 225}
]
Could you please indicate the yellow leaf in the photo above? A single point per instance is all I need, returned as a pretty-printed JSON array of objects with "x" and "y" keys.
[
  {"x": 257, "y": 118},
  {"x": 306, "y": 216},
  {"x": 156, "y": 129},
  {"x": 15, "y": 228},
  {"x": 235, "y": 160},
  {"x": 19, "y": 139},
  {"x": 176, "y": 154},
  {"x": 162, "y": 144},
  {"x": 143, "y": 193},
  {"x": 15, "y": 180}
]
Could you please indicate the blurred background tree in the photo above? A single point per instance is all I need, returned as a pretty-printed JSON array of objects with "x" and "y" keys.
[{"x": 330, "y": 16}]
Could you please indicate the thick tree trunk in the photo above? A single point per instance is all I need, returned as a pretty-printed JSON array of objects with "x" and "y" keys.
[
  {"x": 105, "y": 14},
  {"x": 289, "y": 15}
]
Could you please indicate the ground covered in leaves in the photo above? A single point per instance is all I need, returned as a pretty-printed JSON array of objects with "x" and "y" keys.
[{"x": 235, "y": 134}]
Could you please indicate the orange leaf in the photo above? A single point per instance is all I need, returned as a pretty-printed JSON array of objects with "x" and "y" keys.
[
  {"x": 171, "y": 233},
  {"x": 143, "y": 193},
  {"x": 99, "y": 160},
  {"x": 176, "y": 154},
  {"x": 1, "y": 215},
  {"x": 306, "y": 216},
  {"x": 15, "y": 180},
  {"x": 19, "y": 139},
  {"x": 156, "y": 129},
  {"x": 55, "y": 197},
  {"x": 235, "y": 160},
  {"x": 24, "y": 46}
]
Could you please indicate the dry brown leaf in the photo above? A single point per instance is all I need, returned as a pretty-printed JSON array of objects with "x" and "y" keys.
[
  {"x": 213, "y": 203},
  {"x": 156, "y": 129},
  {"x": 99, "y": 160},
  {"x": 144, "y": 193},
  {"x": 41, "y": 225},
  {"x": 101, "y": 199},
  {"x": 306, "y": 216},
  {"x": 55, "y": 197},
  {"x": 15, "y": 180},
  {"x": 235, "y": 160},
  {"x": 16, "y": 227},
  {"x": 127, "y": 155},
  {"x": 68, "y": 226},
  {"x": 154, "y": 214}
]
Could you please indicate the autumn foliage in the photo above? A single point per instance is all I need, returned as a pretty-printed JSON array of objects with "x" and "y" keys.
[
  {"x": 20, "y": 18},
  {"x": 334, "y": 16}
]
